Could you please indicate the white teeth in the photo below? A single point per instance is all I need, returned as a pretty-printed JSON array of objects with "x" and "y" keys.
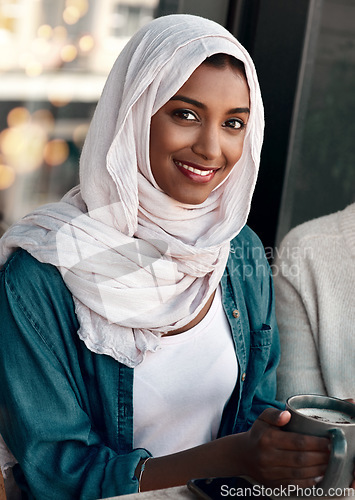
[{"x": 203, "y": 173}]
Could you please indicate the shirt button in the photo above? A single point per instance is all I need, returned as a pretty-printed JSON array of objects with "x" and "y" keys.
[
  {"x": 243, "y": 376},
  {"x": 235, "y": 313}
]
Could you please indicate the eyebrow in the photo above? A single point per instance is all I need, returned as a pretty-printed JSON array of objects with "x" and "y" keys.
[{"x": 203, "y": 106}]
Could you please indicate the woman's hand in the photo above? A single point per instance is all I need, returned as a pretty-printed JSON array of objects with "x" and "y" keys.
[
  {"x": 274, "y": 457},
  {"x": 265, "y": 453}
]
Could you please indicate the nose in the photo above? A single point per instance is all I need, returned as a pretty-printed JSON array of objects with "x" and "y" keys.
[{"x": 207, "y": 143}]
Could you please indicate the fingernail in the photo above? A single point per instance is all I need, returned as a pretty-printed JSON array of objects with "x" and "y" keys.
[{"x": 318, "y": 479}]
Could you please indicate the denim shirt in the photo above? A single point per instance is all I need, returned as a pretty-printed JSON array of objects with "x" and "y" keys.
[{"x": 66, "y": 413}]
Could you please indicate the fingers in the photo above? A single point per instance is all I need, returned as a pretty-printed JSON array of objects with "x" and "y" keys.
[
  {"x": 280, "y": 449},
  {"x": 301, "y": 442},
  {"x": 268, "y": 428},
  {"x": 300, "y": 460},
  {"x": 353, "y": 481},
  {"x": 284, "y": 468},
  {"x": 275, "y": 417},
  {"x": 292, "y": 475},
  {"x": 289, "y": 458},
  {"x": 282, "y": 457},
  {"x": 289, "y": 467}
]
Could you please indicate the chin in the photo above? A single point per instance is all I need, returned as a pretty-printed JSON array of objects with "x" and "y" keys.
[
  {"x": 189, "y": 195},
  {"x": 190, "y": 200}
]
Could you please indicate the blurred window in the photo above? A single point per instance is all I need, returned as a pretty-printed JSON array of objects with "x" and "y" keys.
[
  {"x": 128, "y": 17},
  {"x": 320, "y": 176}
]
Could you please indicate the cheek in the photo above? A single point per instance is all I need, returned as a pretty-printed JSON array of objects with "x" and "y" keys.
[
  {"x": 173, "y": 134},
  {"x": 235, "y": 151},
  {"x": 156, "y": 144},
  {"x": 159, "y": 139}
]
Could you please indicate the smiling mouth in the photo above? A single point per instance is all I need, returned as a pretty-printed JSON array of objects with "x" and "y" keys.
[{"x": 194, "y": 170}]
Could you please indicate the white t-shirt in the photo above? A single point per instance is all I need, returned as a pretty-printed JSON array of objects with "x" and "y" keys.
[{"x": 180, "y": 391}]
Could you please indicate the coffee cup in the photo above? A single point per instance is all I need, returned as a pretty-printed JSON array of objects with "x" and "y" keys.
[{"x": 324, "y": 416}]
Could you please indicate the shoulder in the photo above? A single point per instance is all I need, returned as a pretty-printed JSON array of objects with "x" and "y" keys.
[
  {"x": 21, "y": 263},
  {"x": 247, "y": 235},
  {"x": 247, "y": 264},
  {"x": 35, "y": 291},
  {"x": 322, "y": 229},
  {"x": 23, "y": 272}
]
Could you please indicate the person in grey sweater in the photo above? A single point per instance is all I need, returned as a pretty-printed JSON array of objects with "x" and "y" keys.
[{"x": 314, "y": 276}]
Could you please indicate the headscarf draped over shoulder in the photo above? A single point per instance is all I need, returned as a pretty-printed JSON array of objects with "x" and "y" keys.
[{"x": 137, "y": 262}]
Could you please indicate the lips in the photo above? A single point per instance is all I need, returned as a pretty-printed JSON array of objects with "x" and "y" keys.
[{"x": 194, "y": 172}]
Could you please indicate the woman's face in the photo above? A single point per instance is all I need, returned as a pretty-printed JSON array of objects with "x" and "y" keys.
[{"x": 197, "y": 137}]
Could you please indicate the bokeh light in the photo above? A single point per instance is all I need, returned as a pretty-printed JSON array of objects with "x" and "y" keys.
[
  {"x": 58, "y": 100},
  {"x": 71, "y": 15},
  {"x": 45, "y": 31},
  {"x": 68, "y": 53},
  {"x": 30, "y": 64},
  {"x": 22, "y": 146},
  {"x": 34, "y": 68},
  {"x": 7, "y": 176},
  {"x": 18, "y": 116},
  {"x": 81, "y": 5},
  {"x": 44, "y": 118},
  {"x": 86, "y": 43},
  {"x": 60, "y": 33},
  {"x": 56, "y": 152},
  {"x": 79, "y": 134}
]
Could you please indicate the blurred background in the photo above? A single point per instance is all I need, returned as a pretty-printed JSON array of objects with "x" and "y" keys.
[{"x": 55, "y": 57}]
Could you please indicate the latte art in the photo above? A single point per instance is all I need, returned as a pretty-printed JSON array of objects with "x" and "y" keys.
[{"x": 328, "y": 416}]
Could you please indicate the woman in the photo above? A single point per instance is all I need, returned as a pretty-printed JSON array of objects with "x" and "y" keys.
[{"x": 138, "y": 313}]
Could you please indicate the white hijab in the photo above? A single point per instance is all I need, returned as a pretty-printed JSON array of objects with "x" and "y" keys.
[{"x": 137, "y": 262}]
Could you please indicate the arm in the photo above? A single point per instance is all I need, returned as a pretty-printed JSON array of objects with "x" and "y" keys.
[
  {"x": 265, "y": 453},
  {"x": 44, "y": 417},
  {"x": 299, "y": 370}
]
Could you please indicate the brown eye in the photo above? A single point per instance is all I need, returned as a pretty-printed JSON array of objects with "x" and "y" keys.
[
  {"x": 234, "y": 123},
  {"x": 185, "y": 114}
]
